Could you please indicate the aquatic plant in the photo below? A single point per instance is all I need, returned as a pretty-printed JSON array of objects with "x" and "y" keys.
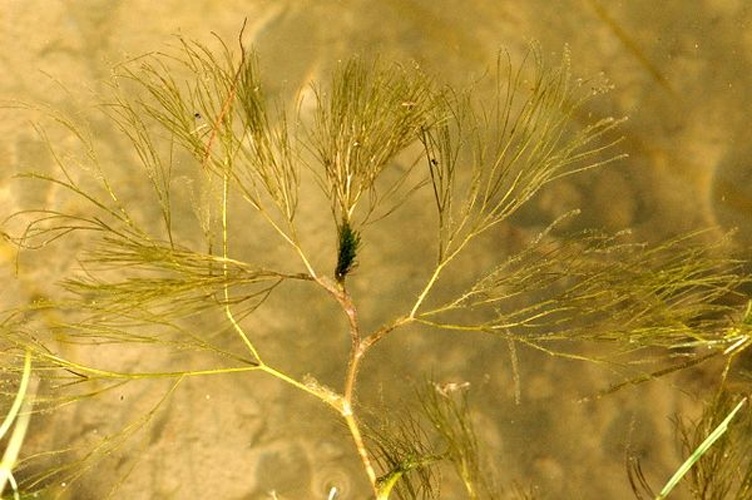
[{"x": 217, "y": 208}]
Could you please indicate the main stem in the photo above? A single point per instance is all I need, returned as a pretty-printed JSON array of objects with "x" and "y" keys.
[{"x": 358, "y": 348}]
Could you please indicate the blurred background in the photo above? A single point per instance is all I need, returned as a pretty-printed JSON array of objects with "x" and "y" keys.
[{"x": 680, "y": 72}]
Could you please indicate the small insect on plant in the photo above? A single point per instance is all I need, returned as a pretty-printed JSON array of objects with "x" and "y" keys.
[{"x": 193, "y": 270}]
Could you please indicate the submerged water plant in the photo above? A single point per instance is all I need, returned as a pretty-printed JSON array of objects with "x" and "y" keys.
[{"x": 226, "y": 200}]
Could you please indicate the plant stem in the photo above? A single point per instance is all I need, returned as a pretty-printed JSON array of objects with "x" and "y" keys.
[
  {"x": 225, "y": 272},
  {"x": 360, "y": 445}
]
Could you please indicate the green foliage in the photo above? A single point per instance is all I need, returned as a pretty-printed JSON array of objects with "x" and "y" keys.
[
  {"x": 717, "y": 446},
  {"x": 152, "y": 278},
  {"x": 17, "y": 418}
]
